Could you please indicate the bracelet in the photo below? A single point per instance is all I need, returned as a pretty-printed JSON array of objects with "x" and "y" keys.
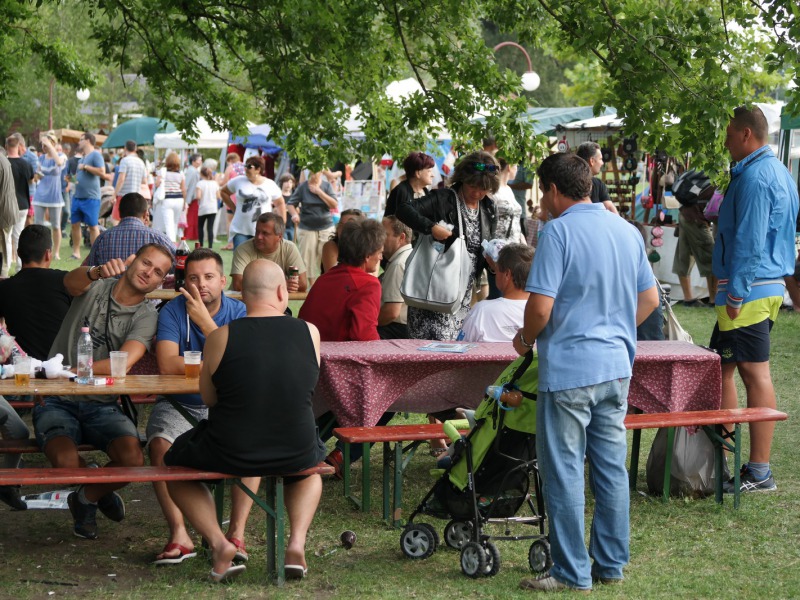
[{"x": 522, "y": 340}]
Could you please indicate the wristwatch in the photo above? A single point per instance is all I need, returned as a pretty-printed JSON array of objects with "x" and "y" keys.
[
  {"x": 522, "y": 340},
  {"x": 97, "y": 272}
]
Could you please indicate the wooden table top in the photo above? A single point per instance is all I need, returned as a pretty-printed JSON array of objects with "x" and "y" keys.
[
  {"x": 132, "y": 385},
  {"x": 170, "y": 294}
]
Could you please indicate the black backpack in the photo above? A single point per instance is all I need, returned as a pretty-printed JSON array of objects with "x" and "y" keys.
[{"x": 689, "y": 185}]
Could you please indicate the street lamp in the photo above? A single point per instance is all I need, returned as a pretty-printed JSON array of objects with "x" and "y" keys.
[
  {"x": 530, "y": 80},
  {"x": 83, "y": 94}
]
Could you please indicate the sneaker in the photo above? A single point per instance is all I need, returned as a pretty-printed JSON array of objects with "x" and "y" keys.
[
  {"x": 10, "y": 495},
  {"x": 85, "y": 517},
  {"x": 546, "y": 583},
  {"x": 749, "y": 483},
  {"x": 112, "y": 506}
]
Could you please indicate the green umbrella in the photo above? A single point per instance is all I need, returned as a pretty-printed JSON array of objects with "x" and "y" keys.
[{"x": 139, "y": 130}]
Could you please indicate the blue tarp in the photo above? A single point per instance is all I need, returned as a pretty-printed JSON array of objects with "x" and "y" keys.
[{"x": 257, "y": 138}]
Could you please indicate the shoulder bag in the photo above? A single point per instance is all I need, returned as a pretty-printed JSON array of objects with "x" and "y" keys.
[{"x": 434, "y": 280}]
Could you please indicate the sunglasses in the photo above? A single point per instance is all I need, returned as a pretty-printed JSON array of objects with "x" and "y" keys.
[
  {"x": 483, "y": 167},
  {"x": 253, "y": 167}
]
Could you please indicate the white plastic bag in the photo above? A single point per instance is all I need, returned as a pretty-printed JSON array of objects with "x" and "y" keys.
[{"x": 692, "y": 472}]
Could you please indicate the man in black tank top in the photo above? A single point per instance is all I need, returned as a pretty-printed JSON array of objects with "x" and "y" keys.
[{"x": 260, "y": 416}]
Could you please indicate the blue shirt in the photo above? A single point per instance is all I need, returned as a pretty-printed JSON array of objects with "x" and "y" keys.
[
  {"x": 593, "y": 264},
  {"x": 755, "y": 248},
  {"x": 172, "y": 321},
  {"x": 88, "y": 186}
]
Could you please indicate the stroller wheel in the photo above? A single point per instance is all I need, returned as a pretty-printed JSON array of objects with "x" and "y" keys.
[
  {"x": 433, "y": 534},
  {"x": 492, "y": 560},
  {"x": 457, "y": 533},
  {"x": 539, "y": 556},
  {"x": 473, "y": 560},
  {"x": 417, "y": 541}
]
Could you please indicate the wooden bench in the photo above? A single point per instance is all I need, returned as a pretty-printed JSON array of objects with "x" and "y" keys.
[
  {"x": 272, "y": 504},
  {"x": 387, "y": 434},
  {"x": 712, "y": 422}
]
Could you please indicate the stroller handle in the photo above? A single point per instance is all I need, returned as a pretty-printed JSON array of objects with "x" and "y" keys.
[{"x": 451, "y": 428}]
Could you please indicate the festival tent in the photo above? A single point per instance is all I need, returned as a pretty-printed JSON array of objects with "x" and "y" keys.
[
  {"x": 206, "y": 138},
  {"x": 141, "y": 130}
]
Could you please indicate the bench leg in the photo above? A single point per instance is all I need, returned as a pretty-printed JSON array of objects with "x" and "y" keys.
[
  {"x": 737, "y": 463},
  {"x": 633, "y": 473},
  {"x": 386, "y": 478},
  {"x": 668, "y": 463},
  {"x": 276, "y": 529},
  {"x": 365, "y": 477}
]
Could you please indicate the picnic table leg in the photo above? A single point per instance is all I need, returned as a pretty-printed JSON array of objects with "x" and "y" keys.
[
  {"x": 668, "y": 463},
  {"x": 397, "y": 500}
]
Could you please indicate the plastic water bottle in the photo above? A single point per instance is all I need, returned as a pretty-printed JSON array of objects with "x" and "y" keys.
[
  {"x": 85, "y": 354},
  {"x": 56, "y": 499}
]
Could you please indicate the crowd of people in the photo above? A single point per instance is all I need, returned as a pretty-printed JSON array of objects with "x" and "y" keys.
[{"x": 580, "y": 299}]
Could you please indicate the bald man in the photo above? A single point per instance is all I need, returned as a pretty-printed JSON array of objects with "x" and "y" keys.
[{"x": 260, "y": 418}]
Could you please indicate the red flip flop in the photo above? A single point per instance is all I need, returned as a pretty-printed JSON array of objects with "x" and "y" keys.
[
  {"x": 175, "y": 560},
  {"x": 241, "y": 553}
]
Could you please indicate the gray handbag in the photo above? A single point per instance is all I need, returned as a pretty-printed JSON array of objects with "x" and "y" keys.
[{"x": 437, "y": 281}]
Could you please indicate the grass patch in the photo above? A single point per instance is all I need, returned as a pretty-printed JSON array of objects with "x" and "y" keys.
[{"x": 684, "y": 549}]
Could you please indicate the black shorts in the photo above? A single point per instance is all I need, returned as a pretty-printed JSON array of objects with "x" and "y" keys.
[{"x": 746, "y": 344}]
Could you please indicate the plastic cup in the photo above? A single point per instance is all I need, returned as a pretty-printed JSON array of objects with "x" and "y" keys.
[
  {"x": 22, "y": 370},
  {"x": 119, "y": 364},
  {"x": 191, "y": 362}
]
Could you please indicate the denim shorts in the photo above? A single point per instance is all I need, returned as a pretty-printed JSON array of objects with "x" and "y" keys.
[{"x": 95, "y": 423}]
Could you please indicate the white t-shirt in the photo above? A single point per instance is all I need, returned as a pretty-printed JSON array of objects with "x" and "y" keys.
[
  {"x": 208, "y": 197},
  {"x": 494, "y": 320},
  {"x": 251, "y": 201}
]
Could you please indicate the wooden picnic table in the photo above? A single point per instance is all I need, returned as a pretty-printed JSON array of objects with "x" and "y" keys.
[{"x": 132, "y": 385}]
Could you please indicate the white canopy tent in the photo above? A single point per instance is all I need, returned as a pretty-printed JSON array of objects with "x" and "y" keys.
[{"x": 207, "y": 138}]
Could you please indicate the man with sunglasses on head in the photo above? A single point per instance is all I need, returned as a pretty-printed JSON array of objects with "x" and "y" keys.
[{"x": 183, "y": 325}]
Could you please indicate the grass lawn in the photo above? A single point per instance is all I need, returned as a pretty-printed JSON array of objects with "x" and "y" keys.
[{"x": 683, "y": 549}]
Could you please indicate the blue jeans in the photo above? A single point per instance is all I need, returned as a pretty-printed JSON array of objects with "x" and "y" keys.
[
  {"x": 11, "y": 428},
  {"x": 571, "y": 424},
  {"x": 239, "y": 239}
]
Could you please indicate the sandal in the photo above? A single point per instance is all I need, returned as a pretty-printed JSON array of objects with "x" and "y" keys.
[
  {"x": 174, "y": 560},
  {"x": 241, "y": 553},
  {"x": 437, "y": 452}
]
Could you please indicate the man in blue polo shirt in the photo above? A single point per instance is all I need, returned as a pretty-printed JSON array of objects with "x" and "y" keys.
[
  {"x": 590, "y": 286},
  {"x": 183, "y": 324},
  {"x": 86, "y": 203}
]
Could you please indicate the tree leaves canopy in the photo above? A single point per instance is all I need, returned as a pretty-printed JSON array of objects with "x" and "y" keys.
[{"x": 673, "y": 70}]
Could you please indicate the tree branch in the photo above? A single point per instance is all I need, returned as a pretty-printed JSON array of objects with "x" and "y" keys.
[{"x": 405, "y": 47}]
